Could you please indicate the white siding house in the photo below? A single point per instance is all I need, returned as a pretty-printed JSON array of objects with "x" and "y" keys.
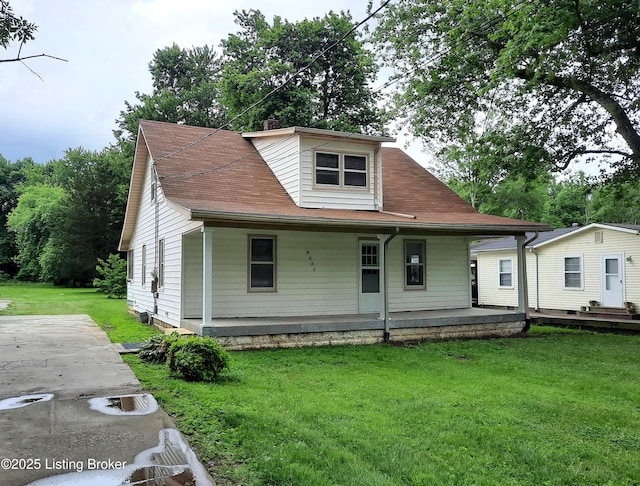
[
  {"x": 284, "y": 237},
  {"x": 569, "y": 269}
]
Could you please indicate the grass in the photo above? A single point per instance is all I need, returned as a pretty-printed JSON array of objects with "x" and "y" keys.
[
  {"x": 110, "y": 314},
  {"x": 561, "y": 407}
]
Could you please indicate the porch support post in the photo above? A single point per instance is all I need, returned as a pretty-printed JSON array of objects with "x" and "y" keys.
[
  {"x": 207, "y": 275},
  {"x": 523, "y": 294}
]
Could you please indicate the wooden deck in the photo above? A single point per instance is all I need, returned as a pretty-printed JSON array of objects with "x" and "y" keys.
[{"x": 585, "y": 321}]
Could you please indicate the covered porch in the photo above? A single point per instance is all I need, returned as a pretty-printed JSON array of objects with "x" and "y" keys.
[{"x": 275, "y": 332}]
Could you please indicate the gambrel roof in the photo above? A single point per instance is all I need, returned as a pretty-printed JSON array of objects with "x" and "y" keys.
[{"x": 219, "y": 177}]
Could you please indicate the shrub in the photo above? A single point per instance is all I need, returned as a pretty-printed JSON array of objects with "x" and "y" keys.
[
  {"x": 197, "y": 359},
  {"x": 114, "y": 276},
  {"x": 155, "y": 348}
]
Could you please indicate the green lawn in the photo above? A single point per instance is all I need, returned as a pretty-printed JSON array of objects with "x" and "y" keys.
[
  {"x": 557, "y": 408},
  {"x": 110, "y": 314}
]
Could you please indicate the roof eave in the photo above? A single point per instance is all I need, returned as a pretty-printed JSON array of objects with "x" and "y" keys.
[
  {"x": 318, "y": 132},
  {"x": 462, "y": 228}
]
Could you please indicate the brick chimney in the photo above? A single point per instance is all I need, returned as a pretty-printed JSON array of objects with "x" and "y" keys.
[{"x": 271, "y": 124}]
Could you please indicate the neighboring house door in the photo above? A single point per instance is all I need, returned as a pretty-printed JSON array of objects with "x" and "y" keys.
[
  {"x": 612, "y": 280},
  {"x": 369, "y": 300}
]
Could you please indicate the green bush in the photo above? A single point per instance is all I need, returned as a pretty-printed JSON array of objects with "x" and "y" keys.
[
  {"x": 155, "y": 348},
  {"x": 197, "y": 359},
  {"x": 114, "y": 276}
]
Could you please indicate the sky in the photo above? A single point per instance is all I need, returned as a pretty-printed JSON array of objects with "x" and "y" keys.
[{"x": 108, "y": 45}]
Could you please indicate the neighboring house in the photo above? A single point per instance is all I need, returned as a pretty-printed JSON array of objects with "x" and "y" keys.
[
  {"x": 568, "y": 269},
  {"x": 300, "y": 236}
]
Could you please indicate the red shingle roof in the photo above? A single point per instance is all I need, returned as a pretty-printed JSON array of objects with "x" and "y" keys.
[{"x": 222, "y": 174}]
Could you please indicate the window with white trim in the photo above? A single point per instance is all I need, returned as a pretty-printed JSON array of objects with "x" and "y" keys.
[
  {"x": 262, "y": 263},
  {"x": 414, "y": 261},
  {"x": 130, "y": 263},
  {"x": 505, "y": 272},
  {"x": 573, "y": 272},
  {"x": 144, "y": 265},
  {"x": 161, "y": 263},
  {"x": 340, "y": 169}
]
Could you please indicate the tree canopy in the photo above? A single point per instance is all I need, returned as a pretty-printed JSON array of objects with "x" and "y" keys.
[
  {"x": 535, "y": 84},
  {"x": 185, "y": 90},
  {"x": 332, "y": 92}
]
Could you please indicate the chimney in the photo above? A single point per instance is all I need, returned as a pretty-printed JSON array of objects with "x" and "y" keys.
[{"x": 271, "y": 124}]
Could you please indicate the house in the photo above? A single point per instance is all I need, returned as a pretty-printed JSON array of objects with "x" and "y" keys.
[
  {"x": 591, "y": 268},
  {"x": 296, "y": 236}
]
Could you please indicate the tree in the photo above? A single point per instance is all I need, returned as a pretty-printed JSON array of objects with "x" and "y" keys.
[
  {"x": 333, "y": 91},
  {"x": 185, "y": 90},
  {"x": 38, "y": 213},
  {"x": 559, "y": 79},
  {"x": 113, "y": 276},
  {"x": 17, "y": 29}
]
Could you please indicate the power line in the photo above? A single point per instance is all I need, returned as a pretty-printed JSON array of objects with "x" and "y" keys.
[{"x": 281, "y": 85}]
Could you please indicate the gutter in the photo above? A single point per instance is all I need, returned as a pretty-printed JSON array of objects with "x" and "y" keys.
[
  {"x": 385, "y": 335},
  {"x": 237, "y": 218}
]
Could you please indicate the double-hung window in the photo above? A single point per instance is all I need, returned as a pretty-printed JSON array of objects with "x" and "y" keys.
[
  {"x": 340, "y": 169},
  {"x": 572, "y": 272},
  {"x": 262, "y": 263},
  {"x": 505, "y": 271},
  {"x": 414, "y": 261},
  {"x": 161, "y": 263},
  {"x": 130, "y": 263},
  {"x": 143, "y": 269}
]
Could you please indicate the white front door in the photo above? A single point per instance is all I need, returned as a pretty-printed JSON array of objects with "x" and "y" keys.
[
  {"x": 369, "y": 277},
  {"x": 612, "y": 280}
]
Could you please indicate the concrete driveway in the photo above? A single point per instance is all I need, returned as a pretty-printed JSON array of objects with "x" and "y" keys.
[{"x": 72, "y": 412}]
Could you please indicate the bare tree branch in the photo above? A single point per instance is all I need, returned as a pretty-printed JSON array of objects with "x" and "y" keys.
[{"x": 20, "y": 59}]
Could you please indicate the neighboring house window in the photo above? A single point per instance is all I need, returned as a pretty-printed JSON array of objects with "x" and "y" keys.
[
  {"x": 337, "y": 169},
  {"x": 414, "y": 258},
  {"x": 130, "y": 265},
  {"x": 262, "y": 262},
  {"x": 161, "y": 263},
  {"x": 505, "y": 269},
  {"x": 144, "y": 265},
  {"x": 573, "y": 272}
]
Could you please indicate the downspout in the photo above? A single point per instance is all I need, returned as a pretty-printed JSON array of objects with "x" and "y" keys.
[
  {"x": 525, "y": 292},
  {"x": 385, "y": 246},
  {"x": 537, "y": 307}
]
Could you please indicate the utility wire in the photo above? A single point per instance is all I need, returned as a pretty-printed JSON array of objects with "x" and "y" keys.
[{"x": 281, "y": 85}]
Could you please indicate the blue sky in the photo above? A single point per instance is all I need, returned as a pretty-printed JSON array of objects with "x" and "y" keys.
[{"x": 108, "y": 45}]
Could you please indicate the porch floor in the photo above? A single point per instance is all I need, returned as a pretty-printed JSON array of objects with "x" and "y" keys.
[{"x": 257, "y": 326}]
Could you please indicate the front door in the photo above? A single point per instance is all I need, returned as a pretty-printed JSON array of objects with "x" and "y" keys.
[
  {"x": 369, "y": 277},
  {"x": 612, "y": 281}
]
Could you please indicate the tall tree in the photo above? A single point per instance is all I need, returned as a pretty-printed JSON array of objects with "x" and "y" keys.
[
  {"x": 185, "y": 90},
  {"x": 333, "y": 92},
  {"x": 562, "y": 77}
]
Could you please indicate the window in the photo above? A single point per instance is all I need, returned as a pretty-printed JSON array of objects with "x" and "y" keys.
[
  {"x": 505, "y": 270},
  {"x": 144, "y": 265},
  {"x": 336, "y": 169},
  {"x": 130, "y": 265},
  {"x": 161, "y": 263},
  {"x": 414, "y": 258},
  {"x": 262, "y": 262},
  {"x": 573, "y": 272}
]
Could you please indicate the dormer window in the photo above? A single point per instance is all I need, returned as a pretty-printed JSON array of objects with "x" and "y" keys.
[{"x": 340, "y": 169}]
